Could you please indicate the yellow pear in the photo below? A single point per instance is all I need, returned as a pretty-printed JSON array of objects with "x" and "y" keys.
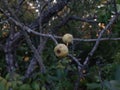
[
  {"x": 61, "y": 50},
  {"x": 67, "y": 38}
]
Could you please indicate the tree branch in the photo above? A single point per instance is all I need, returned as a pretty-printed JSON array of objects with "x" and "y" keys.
[
  {"x": 33, "y": 62},
  {"x": 75, "y": 59},
  {"x": 47, "y": 14},
  {"x": 98, "y": 40},
  {"x": 36, "y": 54}
]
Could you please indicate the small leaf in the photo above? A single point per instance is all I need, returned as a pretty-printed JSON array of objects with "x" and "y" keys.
[
  {"x": 25, "y": 87},
  {"x": 118, "y": 74},
  {"x": 108, "y": 85},
  {"x": 93, "y": 85},
  {"x": 35, "y": 86},
  {"x": 118, "y": 7},
  {"x": 115, "y": 84},
  {"x": 3, "y": 84},
  {"x": 43, "y": 88},
  {"x": 1, "y": 78},
  {"x": 8, "y": 85}
]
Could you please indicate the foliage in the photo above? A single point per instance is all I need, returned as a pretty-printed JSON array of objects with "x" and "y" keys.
[{"x": 84, "y": 19}]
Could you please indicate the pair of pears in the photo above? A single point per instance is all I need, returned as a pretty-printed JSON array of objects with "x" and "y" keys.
[{"x": 61, "y": 50}]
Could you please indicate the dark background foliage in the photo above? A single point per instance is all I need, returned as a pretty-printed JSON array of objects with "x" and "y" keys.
[{"x": 30, "y": 29}]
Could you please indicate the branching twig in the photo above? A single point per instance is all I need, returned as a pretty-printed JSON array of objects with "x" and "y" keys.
[
  {"x": 23, "y": 28},
  {"x": 80, "y": 74},
  {"x": 54, "y": 39},
  {"x": 36, "y": 54},
  {"x": 47, "y": 14},
  {"x": 5, "y": 2},
  {"x": 33, "y": 62},
  {"x": 66, "y": 19},
  {"x": 98, "y": 40},
  {"x": 75, "y": 59},
  {"x": 58, "y": 37},
  {"x": 49, "y": 35},
  {"x": 83, "y": 19}
]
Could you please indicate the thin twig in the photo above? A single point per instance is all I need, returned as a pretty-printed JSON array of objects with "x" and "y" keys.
[
  {"x": 115, "y": 7},
  {"x": 54, "y": 39},
  {"x": 4, "y": 21},
  {"x": 36, "y": 54},
  {"x": 78, "y": 79},
  {"x": 75, "y": 59},
  {"x": 98, "y": 40},
  {"x": 59, "y": 37},
  {"x": 33, "y": 62}
]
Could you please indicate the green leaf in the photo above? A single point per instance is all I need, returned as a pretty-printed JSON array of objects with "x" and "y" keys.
[
  {"x": 8, "y": 85},
  {"x": 43, "y": 88},
  {"x": 1, "y": 78},
  {"x": 115, "y": 84},
  {"x": 14, "y": 84},
  {"x": 118, "y": 7},
  {"x": 25, "y": 87},
  {"x": 3, "y": 84},
  {"x": 35, "y": 86},
  {"x": 117, "y": 76},
  {"x": 108, "y": 85},
  {"x": 93, "y": 85}
]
